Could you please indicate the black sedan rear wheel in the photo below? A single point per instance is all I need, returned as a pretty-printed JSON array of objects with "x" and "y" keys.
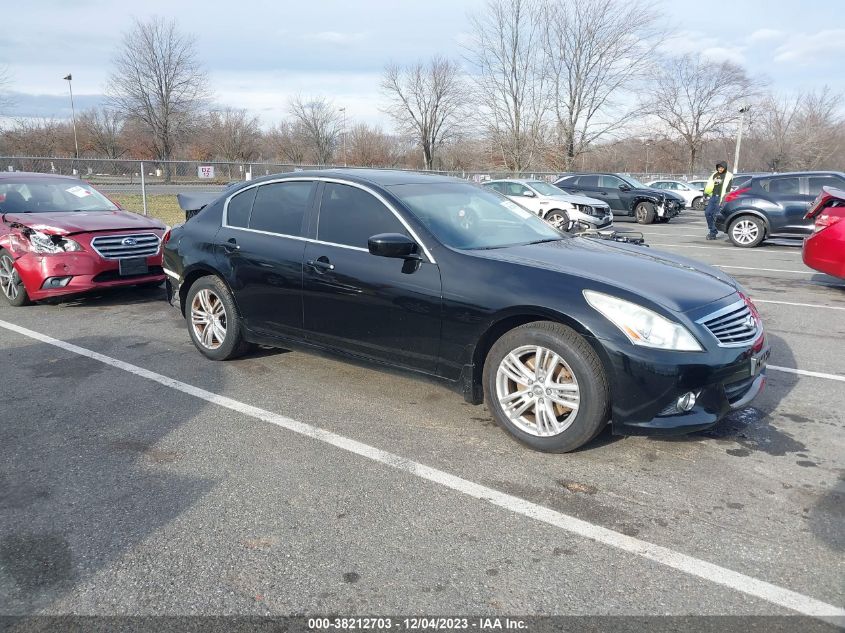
[
  {"x": 213, "y": 321},
  {"x": 545, "y": 385},
  {"x": 645, "y": 213}
]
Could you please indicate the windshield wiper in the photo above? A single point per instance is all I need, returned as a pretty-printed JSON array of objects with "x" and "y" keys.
[{"x": 550, "y": 239}]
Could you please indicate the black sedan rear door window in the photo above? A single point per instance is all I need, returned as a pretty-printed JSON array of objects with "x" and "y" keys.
[
  {"x": 237, "y": 212},
  {"x": 351, "y": 216},
  {"x": 280, "y": 207}
]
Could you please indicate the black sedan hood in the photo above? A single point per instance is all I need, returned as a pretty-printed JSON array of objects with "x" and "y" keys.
[{"x": 675, "y": 282}]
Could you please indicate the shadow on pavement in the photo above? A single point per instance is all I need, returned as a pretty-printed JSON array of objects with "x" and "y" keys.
[{"x": 82, "y": 479}]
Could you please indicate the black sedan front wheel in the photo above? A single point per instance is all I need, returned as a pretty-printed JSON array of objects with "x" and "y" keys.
[{"x": 545, "y": 385}]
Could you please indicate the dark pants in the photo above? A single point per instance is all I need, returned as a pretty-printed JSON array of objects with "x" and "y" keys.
[{"x": 710, "y": 213}]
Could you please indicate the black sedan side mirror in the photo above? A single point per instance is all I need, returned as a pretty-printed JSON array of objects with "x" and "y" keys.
[
  {"x": 393, "y": 245},
  {"x": 624, "y": 187}
]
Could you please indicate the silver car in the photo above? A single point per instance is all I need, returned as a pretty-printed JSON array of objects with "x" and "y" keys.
[{"x": 554, "y": 205}]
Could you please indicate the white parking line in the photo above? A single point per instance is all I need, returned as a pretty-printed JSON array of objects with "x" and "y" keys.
[
  {"x": 811, "y": 374},
  {"x": 769, "y": 270},
  {"x": 725, "y": 248},
  {"x": 803, "y": 305},
  {"x": 717, "y": 574}
]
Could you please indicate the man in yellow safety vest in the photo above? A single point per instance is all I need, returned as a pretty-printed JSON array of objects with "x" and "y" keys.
[{"x": 717, "y": 187}]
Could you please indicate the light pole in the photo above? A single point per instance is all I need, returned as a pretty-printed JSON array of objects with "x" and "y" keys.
[
  {"x": 742, "y": 112},
  {"x": 69, "y": 80},
  {"x": 343, "y": 111}
]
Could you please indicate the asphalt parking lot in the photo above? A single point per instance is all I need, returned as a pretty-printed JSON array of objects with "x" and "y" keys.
[{"x": 290, "y": 483}]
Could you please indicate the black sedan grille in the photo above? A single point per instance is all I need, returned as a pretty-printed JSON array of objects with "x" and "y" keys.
[
  {"x": 734, "y": 325},
  {"x": 126, "y": 245},
  {"x": 736, "y": 390}
]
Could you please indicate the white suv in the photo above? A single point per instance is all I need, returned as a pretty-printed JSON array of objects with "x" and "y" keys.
[{"x": 552, "y": 204}]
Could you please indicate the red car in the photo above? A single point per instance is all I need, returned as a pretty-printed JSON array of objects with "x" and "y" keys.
[
  {"x": 60, "y": 236},
  {"x": 824, "y": 250}
]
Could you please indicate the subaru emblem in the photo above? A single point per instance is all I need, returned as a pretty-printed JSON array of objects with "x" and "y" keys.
[{"x": 129, "y": 241}]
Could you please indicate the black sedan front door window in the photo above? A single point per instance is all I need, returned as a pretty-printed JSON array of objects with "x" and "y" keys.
[{"x": 381, "y": 308}]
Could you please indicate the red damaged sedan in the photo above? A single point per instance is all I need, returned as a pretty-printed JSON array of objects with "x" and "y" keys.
[
  {"x": 60, "y": 236},
  {"x": 824, "y": 250}
]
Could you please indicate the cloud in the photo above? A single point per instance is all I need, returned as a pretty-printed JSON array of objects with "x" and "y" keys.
[
  {"x": 712, "y": 48},
  {"x": 812, "y": 48},
  {"x": 335, "y": 37},
  {"x": 761, "y": 35}
]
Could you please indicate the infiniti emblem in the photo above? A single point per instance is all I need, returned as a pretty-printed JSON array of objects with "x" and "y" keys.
[
  {"x": 130, "y": 241},
  {"x": 749, "y": 322}
]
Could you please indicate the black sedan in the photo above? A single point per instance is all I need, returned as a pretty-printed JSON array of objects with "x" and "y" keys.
[{"x": 559, "y": 334}]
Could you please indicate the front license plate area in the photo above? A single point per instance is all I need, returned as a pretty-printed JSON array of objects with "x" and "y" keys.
[
  {"x": 133, "y": 266},
  {"x": 758, "y": 363}
]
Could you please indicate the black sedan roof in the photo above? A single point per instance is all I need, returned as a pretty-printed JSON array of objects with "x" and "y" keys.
[{"x": 380, "y": 177}]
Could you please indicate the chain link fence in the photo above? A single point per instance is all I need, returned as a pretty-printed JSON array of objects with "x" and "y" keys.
[{"x": 150, "y": 187}]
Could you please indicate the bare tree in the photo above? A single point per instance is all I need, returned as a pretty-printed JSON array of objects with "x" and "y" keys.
[
  {"x": 774, "y": 124},
  {"x": 506, "y": 51},
  {"x": 287, "y": 142},
  {"x": 595, "y": 52},
  {"x": 425, "y": 100},
  {"x": 234, "y": 135},
  {"x": 820, "y": 129},
  {"x": 697, "y": 98},
  {"x": 320, "y": 123},
  {"x": 102, "y": 132},
  {"x": 371, "y": 147},
  {"x": 158, "y": 80}
]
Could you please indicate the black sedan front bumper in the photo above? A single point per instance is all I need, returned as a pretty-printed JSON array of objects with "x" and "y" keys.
[{"x": 645, "y": 393}]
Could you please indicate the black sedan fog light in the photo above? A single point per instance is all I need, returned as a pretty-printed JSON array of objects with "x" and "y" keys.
[
  {"x": 55, "y": 282},
  {"x": 686, "y": 402}
]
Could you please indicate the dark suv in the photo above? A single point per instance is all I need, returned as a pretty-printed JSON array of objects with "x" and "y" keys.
[
  {"x": 625, "y": 195},
  {"x": 773, "y": 205}
]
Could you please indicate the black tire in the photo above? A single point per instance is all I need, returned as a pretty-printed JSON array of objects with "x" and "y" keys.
[
  {"x": 747, "y": 231},
  {"x": 557, "y": 218},
  {"x": 233, "y": 344},
  {"x": 592, "y": 414},
  {"x": 698, "y": 203},
  {"x": 644, "y": 213},
  {"x": 14, "y": 294}
]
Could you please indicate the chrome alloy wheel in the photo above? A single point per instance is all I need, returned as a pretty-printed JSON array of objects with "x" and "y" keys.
[
  {"x": 537, "y": 390},
  {"x": 745, "y": 231},
  {"x": 208, "y": 319},
  {"x": 8, "y": 278}
]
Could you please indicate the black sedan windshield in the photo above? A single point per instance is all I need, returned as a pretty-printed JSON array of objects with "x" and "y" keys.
[
  {"x": 43, "y": 195},
  {"x": 468, "y": 217}
]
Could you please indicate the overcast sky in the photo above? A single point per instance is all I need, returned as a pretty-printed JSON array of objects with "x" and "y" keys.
[{"x": 258, "y": 54}]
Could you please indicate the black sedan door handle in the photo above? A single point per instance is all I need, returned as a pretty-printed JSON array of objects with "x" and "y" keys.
[
  {"x": 321, "y": 264},
  {"x": 231, "y": 245}
]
